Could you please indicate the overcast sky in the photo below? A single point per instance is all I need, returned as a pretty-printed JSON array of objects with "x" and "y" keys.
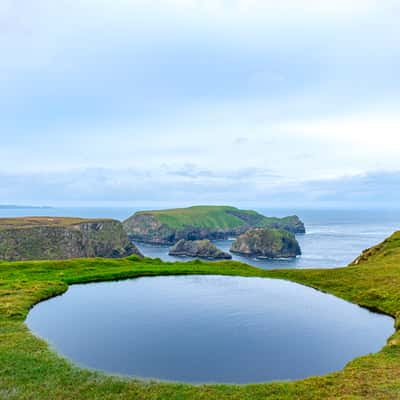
[{"x": 292, "y": 102}]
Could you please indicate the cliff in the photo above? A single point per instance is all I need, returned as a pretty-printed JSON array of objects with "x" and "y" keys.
[
  {"x": 269, "y": 243},
  {"x": 198, "y": 248},
  {"x": 38, "y": 238},
  {"x": 201, "y": 222}
]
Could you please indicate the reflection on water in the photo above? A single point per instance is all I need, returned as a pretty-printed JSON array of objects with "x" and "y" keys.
[{"x": 208, "y": 328}]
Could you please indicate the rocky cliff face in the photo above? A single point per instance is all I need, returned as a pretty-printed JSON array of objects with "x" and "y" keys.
[
  {"x": 269, "y": 243},
  {"x": 39, "y": 238},
  {"x": 202, "y": 222},
  {"x": 198, "y": 248},
  {"x": 291, "y": 224},
  {"x": 148, "y": 228}
]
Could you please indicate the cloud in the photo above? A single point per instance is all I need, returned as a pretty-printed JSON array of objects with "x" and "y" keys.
[
  {"x": 368, "y": 188},
  {"x": 241, "y": 186},
  {"x": 196, "y": 99},
  {"x": 368, "y": 130},
  {"x": 188, "y": 183}
]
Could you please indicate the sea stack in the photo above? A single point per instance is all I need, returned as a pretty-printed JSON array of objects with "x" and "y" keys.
[
  {"x": 268, "y": 243},
  {"x": 198, "y": 248}
]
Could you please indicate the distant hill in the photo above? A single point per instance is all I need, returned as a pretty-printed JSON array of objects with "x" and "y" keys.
[{"x": 201, "y": 222}]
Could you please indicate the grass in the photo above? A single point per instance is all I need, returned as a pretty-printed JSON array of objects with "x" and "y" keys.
[
  {"x": 217, "y": 218},
  {"x": 212, "y": 217},
  {"x": 30, "y": 370}
]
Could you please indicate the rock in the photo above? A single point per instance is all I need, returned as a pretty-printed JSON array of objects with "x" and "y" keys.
[
  {"x": 201, "y": 222},
  {"x": 269, "y": 243},
  {"x": 370, "y": 253},
  {"x": 198, "y": 248},
  {"x": 39, "y": 238}
]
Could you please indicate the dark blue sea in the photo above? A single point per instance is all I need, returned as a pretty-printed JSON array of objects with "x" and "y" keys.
[{"x": 334, "y": 237}]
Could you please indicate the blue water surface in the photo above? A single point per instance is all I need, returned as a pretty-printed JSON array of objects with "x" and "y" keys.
[{"x": 208, "y": 328}]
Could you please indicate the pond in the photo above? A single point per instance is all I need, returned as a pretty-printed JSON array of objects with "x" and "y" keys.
[{"x": 202, "y": 329}]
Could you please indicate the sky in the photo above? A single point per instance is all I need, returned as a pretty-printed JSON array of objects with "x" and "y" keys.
[{"x": 253, "y": 102}]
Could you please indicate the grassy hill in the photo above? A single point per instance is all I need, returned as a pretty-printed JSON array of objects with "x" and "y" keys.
[
  {"x": 212, "y": 217},
  {"x": 29, "y": 369}
]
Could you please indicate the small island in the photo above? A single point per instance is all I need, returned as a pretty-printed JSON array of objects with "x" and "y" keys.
[
  {"x": 198, "y": 248},
  {"x": 167, "y": 227},
  {"x": 266, "y": 243},
  {"x": 55, "y": 238}
]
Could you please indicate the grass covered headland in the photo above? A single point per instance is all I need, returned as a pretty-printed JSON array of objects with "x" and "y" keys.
[
  {"x": 202, "y": 222},
  {"x": 30, "y": 370}
]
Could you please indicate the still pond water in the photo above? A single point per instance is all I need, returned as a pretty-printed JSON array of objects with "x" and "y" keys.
[{"x": 208, "y": 328}]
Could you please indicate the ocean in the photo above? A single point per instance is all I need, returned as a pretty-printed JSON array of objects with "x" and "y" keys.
[{"x": 334, "y": 237}]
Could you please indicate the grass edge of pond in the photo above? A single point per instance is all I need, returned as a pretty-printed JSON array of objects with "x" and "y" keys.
[{"x": 30, "y": 369}]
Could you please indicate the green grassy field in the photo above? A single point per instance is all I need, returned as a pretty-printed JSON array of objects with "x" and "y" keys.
[
  {"x": 212, "y": 217},
  {"x": 30, "y": 370}
]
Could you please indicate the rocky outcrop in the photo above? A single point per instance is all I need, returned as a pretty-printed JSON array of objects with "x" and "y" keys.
[
  {"x": 254, "y": 219},
  {"x": 268, "y": 243},
  {"x": 39, "y": 238},
  {"x": 198, "y": 248},
  {"x": 380, "y": 252},
  {"x": 291, "y": 224},
  {"x": 201, "y": 222}
]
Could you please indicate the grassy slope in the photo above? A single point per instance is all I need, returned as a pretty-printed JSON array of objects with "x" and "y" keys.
[
  {"x": 212, "y": 217},
  {"x": 29, "y": 370}
]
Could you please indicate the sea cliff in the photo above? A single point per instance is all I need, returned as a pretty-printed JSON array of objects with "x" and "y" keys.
[
  {"x": 269, "y": 243},
  {"x": 198, "y": 248},
  {"x": 39, "y": 238}
]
